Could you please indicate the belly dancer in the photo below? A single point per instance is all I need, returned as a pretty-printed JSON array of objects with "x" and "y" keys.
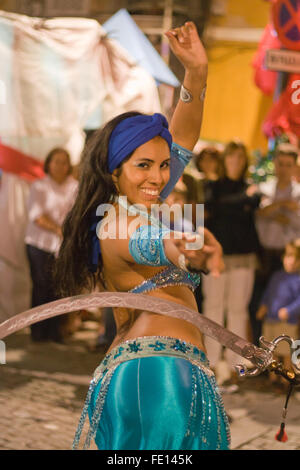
[{"x": 154, "y": 389}]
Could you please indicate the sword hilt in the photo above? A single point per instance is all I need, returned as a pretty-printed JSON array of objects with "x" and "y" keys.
[{"x": 263, "y": 359}]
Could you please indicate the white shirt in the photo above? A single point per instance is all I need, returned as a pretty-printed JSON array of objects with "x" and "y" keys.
[
  {"x": 55, "y": 200},
  {"x": 272, "y": 234}
]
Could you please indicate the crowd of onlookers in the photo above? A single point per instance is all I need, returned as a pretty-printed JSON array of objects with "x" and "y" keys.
[{"x": 258, "y": 226}]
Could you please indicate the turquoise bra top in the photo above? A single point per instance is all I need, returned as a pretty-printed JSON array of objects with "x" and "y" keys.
[{"x": 170, "y": 276}]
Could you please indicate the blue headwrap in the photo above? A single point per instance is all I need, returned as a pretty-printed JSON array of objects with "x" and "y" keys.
[
  {"x": 127, "y": 136},
  {"x": 133, "y": 132}
]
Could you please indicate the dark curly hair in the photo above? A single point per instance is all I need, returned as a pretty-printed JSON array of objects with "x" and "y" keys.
[{"x": 71, "y": 272}]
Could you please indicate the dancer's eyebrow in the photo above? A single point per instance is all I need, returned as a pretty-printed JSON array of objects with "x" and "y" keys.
[{"x": 151, "y": 160}]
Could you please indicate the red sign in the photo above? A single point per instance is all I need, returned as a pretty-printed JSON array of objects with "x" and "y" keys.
[
  {"x": 284, "y": 116},
  {"x": 286, "y": 19}
]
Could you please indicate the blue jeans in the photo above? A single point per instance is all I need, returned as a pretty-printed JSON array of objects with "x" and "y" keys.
[{"x": 41, "y": 264}]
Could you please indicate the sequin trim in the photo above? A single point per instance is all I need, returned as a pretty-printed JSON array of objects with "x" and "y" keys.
[
  {"x": 181, "y": 153},
  {"x": 170, "y": 276}
]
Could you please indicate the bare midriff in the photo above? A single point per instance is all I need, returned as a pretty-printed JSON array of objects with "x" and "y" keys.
[{"x": 143, "y": 323}]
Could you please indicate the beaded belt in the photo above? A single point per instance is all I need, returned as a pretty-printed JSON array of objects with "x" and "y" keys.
[{"x": 147, "y": 346}]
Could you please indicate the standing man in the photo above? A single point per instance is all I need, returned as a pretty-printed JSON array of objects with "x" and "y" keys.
[
  {"x": 277, "y": 222},
  {"x": 278, "y": 218}
]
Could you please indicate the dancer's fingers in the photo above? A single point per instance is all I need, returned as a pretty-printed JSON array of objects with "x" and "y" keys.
[
  {"x": 190, "y": 25},
  {"x": 179, "y": 34},
  {"x": 185, "y": 30}
]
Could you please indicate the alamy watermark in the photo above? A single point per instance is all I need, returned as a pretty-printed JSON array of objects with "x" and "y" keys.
[
  {"x": 296, "y": 353},
  {"x": 296, "y": 93},
  {"x": 175, "y": 218},
  {"x": 2, "y": 92},
  {"x": 2, "y": 352}
]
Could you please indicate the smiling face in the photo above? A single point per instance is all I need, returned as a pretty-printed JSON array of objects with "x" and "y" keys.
[{"x": 143, "y": 176}]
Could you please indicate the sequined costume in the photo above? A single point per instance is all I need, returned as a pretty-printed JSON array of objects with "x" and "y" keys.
[{"x": 155, "y": 392}]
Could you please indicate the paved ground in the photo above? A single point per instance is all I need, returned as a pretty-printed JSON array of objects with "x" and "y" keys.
[{"x": 43, "y": 386}]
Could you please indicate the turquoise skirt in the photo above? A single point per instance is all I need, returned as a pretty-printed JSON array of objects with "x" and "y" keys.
[{"x": 155, "y": 393}]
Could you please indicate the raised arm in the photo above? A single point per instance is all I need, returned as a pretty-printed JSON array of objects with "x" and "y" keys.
[{"x": 187, "y": 118}]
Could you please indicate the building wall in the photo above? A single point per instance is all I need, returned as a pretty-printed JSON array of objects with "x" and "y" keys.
[
  {"x": 235, "y": 107},
  {"x": 244, "y": 13}
]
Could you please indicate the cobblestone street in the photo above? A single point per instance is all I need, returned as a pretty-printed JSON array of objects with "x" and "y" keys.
[{"x": 43, "y": 387}]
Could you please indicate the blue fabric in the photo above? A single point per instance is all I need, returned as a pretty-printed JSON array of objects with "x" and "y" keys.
[
  {"x": 133, "y": 132},
  {"x": 160, "y": 403},
  {"x": 146, "y": 246},
  {"x": 124, "y": 29},
  {"x": 283, "y": 291},
  {"x": 180, "y": 157}
]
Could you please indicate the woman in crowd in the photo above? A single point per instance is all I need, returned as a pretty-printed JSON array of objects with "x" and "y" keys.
[
  {"x": 50, "y": 200},
  {"x": 230, "y": 206},
  {"x": 206, "y": 167},
  {"x": 208, "y": 162},
  {"x": 154, "y": 389}
]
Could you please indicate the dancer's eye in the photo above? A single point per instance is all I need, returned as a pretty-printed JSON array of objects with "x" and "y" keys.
[{"x": 143, "y": 165}]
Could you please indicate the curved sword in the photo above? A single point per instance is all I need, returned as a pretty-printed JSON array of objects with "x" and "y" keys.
[{"x": 260, "y": 357}]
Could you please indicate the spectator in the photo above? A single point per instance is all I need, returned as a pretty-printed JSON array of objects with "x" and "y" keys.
[
  {"x": 208, "y": 162},
  {"x": 278, "y": 218},
  {"x": 231, "y": 203},
  {"x": 280, "y": 304},
  {"x": 50, "y": 200},
  {"x": 277, "y": 222},
  {"x": 207, "y": 167}
]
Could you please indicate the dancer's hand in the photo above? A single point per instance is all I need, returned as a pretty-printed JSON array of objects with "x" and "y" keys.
[
  {"x": 202, "y": 254},
  {"x": 186, "y": 121},
  {"x": 213, "y": 249},
  {"x": 187, "y": 47},
  {"x": 209, "y": 257}
]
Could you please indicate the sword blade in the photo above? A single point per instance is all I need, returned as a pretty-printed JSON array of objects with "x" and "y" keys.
[{"x": 140, "y": 302}]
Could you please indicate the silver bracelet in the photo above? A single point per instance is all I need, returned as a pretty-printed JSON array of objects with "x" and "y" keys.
[
  {"x": 187, "y": 97},
  {"x": 186, "y": 266},
  {"x": 203, "y": 93}
]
